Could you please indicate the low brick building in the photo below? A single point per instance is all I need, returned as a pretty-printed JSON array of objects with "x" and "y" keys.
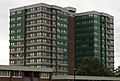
[{"x": 22, "y": 73}]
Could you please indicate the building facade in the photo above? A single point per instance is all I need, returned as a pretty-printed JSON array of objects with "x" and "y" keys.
[
  {"x": 94, "y": 36},
  {"x": 23, "y": 73},
  {"x": 50, "y": 36},
  {"x": 38, "y": 37}
]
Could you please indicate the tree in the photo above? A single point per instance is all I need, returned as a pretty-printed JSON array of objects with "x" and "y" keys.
[
  {"x": 91, "y": 66},
  {"x": 117, "y": 71}
]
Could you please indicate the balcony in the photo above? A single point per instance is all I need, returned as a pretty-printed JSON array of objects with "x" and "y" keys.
[
  {"x": 110, "y": 21},
  {"x": 36, "y": 37},
  {"x": 112, "y": 43},
  {"x": 40, "y": 17},
  {"x": 110, "y": 38},
  {"x": 53, "y": 51},
  {"x": 54, "y": 25},
  {"x": 108, "y": 32},
  {"x": 53, "y": 38},
  {"x": 37, "y": 24},
  {"x": 54, "y": 32},
  {"x": 37, "y": 30},
  {"x": 59, "y": 51},
  {"x": 54, "y": 12},
  {"x": 110, "y": 55},
  {"x": 38, "y": 63},
  {"x": 39, "y": 11},
  {"x": 60, "y": 58},
  {"x": 110, "y": 66},
  {"x": 53, "y": 58},
  {"x": 42, "y": 43},
  {"x": 53, "y": 19},
  {"x": 54, "y": 44},
  {"x": 35, "y": 57},
  {"x": 12, "y": 52},
  {"x": 16, "y": 58},
  {"x": 20, "y": 45},
  {"x": 60, "y": 70},
  {"x": 110, "y": 60},
  {"x": 62, "y": 64},
  {"x": 109, "y": 27},
  {"x": 110, "y": 49},
  {"x": 37, "y": 50},
  {"x": 17, "y": 39},
  {"x": 18, "y": 64}
]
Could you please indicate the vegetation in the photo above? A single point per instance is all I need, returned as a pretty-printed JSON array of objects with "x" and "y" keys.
[
  {"x": 91, "y": 66},
  {"x": 117, "y": 71}
]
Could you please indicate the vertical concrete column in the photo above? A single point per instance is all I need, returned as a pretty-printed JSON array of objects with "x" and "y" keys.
[
  {"x": 11, "y": 74},
  {"x": 22, "y": 76},
  {"x": 32, "y": 76},
  {"x": 50, "y": 76},
  {"x": 40, "y": 76}
]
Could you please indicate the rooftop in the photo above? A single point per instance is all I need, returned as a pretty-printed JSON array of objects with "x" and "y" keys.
[{"x": 24, "y": 68}]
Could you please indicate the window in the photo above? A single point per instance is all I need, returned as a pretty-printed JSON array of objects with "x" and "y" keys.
[
  {"x": 18, "y": 36},
  {"x": 39, "y": 34},
  {"x": 18, "y": 43},
  {"x": 13, "y": 13},
  {"x": 32, "y": 15},
  {"x": 95, "y": 51},
  {"x": 31, "y": 60},
  {"x": 32, "y": 35},
  {"x": 19, "y": 49},
  {"x": 16, "y": 73},
  {"x": 39, "y": 21},
  {"x": 32, "y": 22},
  {"x": 19, "y": 12},
  {"x": 39, "y": 40},
  {"x": 18, "y": 30},
  {"x": 12, "y": 37},
  {"x": 95, "y": 33},
  {"x": 12, "y": 49},
  {"x": 19, "y": 24},
  {"x": 32, "y": 48},
  {"x": 39, "y": 47},
  {"x": 4, "y": 73},
  {"x": 54, "y": 23},
  {"x": 19, "y": 18},
  {"x": 31, "y": 54},
  {"x": 95, "y": 15},
  {"x": 12, "y": 19},
  {"x": 95, "y": 45},
  {"x": 38, "y": 53},
  {"x": 95, "y": 39},
  {"x": 32, "y": 9},
  {"x": 31, "y": 41},
  {"x": 12, "y": 31},
  {"x": 38, "y": 60},
  {"x": 12, "y": 25}
]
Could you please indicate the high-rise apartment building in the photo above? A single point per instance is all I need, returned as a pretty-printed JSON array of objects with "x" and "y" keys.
[
  {"x": 38, "y": 37},
  {"x": 94, "y": 36},
  {"x": 50, "y": 36}
]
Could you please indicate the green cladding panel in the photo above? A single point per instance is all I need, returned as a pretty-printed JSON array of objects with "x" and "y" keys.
[{"x": 88, "y": 37}]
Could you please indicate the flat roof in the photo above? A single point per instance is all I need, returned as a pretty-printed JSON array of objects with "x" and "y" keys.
[
  {"x": 71, "y": 77},
  {"x": 24, "y": 68},
  {"x": 94, "y": 12},
  {"x": 37, "y": 5}
]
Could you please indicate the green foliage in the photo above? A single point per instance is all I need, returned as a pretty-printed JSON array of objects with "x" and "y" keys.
[
  {"x": 91, "y": 66},
  {"x": 117, "y": 72}
]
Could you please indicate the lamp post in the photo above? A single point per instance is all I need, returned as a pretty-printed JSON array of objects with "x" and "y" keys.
[{"x": 74, "y": 73}]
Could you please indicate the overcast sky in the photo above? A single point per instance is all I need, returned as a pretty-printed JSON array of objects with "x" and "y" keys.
[{"x": 108, "y": 6}]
